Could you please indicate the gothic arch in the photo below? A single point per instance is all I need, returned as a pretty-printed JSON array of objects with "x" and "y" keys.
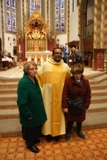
[{"x": 82, "y": 21}]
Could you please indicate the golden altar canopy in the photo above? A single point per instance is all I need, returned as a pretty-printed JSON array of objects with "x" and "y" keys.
[
  {"x": 36, "y": 33},
  {"x": 36, "y": 39}
]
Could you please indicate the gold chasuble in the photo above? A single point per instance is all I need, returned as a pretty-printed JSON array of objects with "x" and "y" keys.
[{"x": 51, "y": 77}]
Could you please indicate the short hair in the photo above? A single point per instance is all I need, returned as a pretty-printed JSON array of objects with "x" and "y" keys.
[
  {"x": 73, "y": 45},
  {"x": 53, "y": 51},
  {"x": 77, "y": 68},
  {"x": 26, "y": 66}
]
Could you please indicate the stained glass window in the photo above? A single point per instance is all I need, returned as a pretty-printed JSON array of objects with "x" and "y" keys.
[
  {"x": 11, "y": 15},
  {"x": 59, "y": 15},
  {"x": 34, "y": 4}
]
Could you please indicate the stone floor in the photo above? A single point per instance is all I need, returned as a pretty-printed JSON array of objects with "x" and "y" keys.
[{"x": 17, "y": 72}]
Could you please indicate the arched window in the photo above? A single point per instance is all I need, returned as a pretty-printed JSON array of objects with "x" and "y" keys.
[
  {"x": 60, "y": 15},
  {"x": 34, "y": 4},
  {"x": 10, "y": 15}
]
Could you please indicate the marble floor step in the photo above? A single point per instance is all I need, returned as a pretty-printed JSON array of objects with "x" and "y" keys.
[
  {"x": 7, "y": 80},
  {"x": 9, "y": 114},
  {"x": 8, "y": 85},
  {"x": 99, "y": 92},
  {"x": 95, "y": 74},
  {"x": 8, "y": 105},
  {"x": 100, "y": 86},
  {"x": 99, "y": 79},
  {"x": 97, "y": 107},
  {"x": 8, "y": 97},
  {"x": 8, "y": 91},
  {"x": 93, "y": 120},
  {"x": 98, "y": 99},
  {"x": 10, "y": 126}
]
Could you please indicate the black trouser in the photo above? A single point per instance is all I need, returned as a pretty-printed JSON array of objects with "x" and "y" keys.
[
  {"x": 70, "y": 125},
  {"x": 31, "y": 134}
]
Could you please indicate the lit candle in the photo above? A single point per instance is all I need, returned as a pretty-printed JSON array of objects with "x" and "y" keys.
[{"x": 19, "y": 48}]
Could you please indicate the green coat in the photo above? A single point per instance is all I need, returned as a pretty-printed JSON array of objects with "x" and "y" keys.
[{"x": 30, "y": 103}]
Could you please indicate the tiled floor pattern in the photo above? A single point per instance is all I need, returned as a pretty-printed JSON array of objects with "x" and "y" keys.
[{"x": 94, "y": 147}]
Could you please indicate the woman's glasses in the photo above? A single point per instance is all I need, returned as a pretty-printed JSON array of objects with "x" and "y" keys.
[{"x": 32, "y": 69}]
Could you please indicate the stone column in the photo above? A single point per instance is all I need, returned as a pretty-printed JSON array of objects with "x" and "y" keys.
[{"x": 100, "y": 33}]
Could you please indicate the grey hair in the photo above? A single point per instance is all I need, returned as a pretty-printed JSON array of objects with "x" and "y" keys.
[{"x": 27, "y": 65}]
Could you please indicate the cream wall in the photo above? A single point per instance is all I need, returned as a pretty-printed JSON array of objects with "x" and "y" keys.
[
  {"x": 10, "y": 42},
  {"x": 74, "y": 25},
  {"x": 62, "y": 39}
]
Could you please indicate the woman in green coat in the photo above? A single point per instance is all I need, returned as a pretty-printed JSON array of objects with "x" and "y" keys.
[{"x": 31, "y": 107}]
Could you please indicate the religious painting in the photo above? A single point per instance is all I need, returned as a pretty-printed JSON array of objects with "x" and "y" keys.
[
  {"x": 8, "y": 3},
  {"x": 36, "y": 47},
  {"x": 44, "y": 58},
  {"x": 13, "y": 20},
  {"x": 100, "y": 61},
  {"x": 11, "y": 15},
  {"x": 39, "y": 5},
  {"x": 57, "y": 4},
  {"x": 59, "y": 15},
  {"x": 62, "y": 13},
  {"x": 62, "y": 4},
  {"x": 13, "y": 4},
  {"x": 35, "y": 4},
  {"x": 8, "y": 18},
  {"x": 57, "y": 23},
  {"x": 38, "y": 61},
  {"x": 32, "y": 6}
]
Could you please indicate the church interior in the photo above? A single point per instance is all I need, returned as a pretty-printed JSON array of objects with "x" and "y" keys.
[{"x": 29, "y": 30}]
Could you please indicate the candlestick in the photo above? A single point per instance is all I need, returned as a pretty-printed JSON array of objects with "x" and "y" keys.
[{"x": 19, "y": 48}]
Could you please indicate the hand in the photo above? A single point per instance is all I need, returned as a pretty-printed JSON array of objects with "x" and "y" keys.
[
  {"x": 65, "y": 110},
  {"x": 30, "y": 118}
]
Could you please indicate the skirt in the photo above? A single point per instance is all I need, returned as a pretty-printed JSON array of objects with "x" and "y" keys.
[{"x": 31, "y": 133}]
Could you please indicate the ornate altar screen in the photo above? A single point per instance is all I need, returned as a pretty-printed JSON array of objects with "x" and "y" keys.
[
  {"x": 36, "y": 38},
  {"x": 35, "y": 4},
  {"x": 36, "y": 33}
]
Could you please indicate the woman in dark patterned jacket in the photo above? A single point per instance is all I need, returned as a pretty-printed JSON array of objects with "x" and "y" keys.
[{"x": 76, "y": 86}]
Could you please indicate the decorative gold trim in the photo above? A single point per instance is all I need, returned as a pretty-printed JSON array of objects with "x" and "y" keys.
[{"x": 36, "y": 16}]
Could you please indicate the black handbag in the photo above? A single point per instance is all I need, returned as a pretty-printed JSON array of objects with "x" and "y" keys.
[{"x": 75, "y": 106}]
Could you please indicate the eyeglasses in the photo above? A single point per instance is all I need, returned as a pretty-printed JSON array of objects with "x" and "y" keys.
[
  {"x": 58, "y": 53},
  {"x": 32, "y": 69}
]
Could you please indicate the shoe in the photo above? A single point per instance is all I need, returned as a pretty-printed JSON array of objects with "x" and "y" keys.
[
  {"x": 33, "y": 149},
  {"x": 37, "y": 141},
  {"x": 56, "y": 138},
  {"x": 67, "y": 136},
  {"x": 81, "y": 135},
  {"x": 48, "y": 138}
]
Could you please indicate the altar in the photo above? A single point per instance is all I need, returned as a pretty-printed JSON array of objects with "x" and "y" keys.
[
  {"x": 38, "y": 57},
  {"x": 36, "y": 39}
]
